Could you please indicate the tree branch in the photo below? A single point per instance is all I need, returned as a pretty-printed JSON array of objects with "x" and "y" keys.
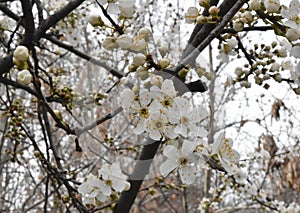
[
  {"x": 204, "y": 38},
  {"x": 136, "y": 179},
  {"x": 84, "y": 56},
  {"x": 7, "y": 63}
]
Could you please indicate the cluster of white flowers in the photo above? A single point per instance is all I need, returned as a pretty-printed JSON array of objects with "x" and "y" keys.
[
  {"x": 109, "y": 184},
  {"x": 163, "y": 115},
  {"x": 136, "y": 44},
  {"x": 54, "y": 4},
  {"x": 240, "y": 19},
  {"x": 20, "y": 57},
  {"x": 192, "y": 14},
  {"x": 292, "y": 14},
  {"x": 227, "y": 49},
  {"x": 124, "y": 8}
]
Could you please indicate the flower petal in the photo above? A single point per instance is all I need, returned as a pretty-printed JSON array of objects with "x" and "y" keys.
[
  {"x": 167, "y": 166},
  {"x": 188, "y": 147},
  {"x": 187, "y": 174},
  {"x": 171, "y": 152}
]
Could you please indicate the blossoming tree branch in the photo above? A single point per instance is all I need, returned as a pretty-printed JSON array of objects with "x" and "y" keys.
[{"x": 145, "y": 106}]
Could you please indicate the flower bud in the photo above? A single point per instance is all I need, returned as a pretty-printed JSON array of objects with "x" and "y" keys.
[
  {"x": 127, "y": 186},
  {"x": 24, "y": 77},
  {"x": 287, "y": 65},
  {"x": 204, "y": 3},
  {"x": 21, "y": 53},
  {"x": 247, "y": 16},
  {"x": 139, "y": 44},
  {"x": 37, "y": 154},
  {"x": 110, "y": 43},
  {"x": 272, "y": 6},
  {"x": 139, "y": 59},
  {"x": 132, "y": 67},
  {"x": 95, "y": 20},
  {"x": 297, "y": 91},
  {"x": 124, "y": 80},
  {"x": 135, "y": 89},
  {"x": 277, "y": 77},
  {"x": 127, "y": 12},
  {"x": 191, "y": 15},
  {"x": 201, "y": 19},
  {"x": 232, "y": 42},
  {"x": 292, "y": 34},
  {"x": 145, "y": 33},
  {"x": 124, "y": 41},
  {"x": 266, "y": 77},
  {"x": 282, "y": 52},
  {"x": 58, "y": 114},
  {"x": 238, "y": 26},
  {"x": 163, "y": 50},
  {"x": 275, "y": 67},
  {"x": 239, "y": 71},
  {"x": 254, "y": 5},
  {"x": 245, "y": 84},
  {"x": 156, "y": 80},
  {"x": 209, "y": 75},
  {"x": 164, "y": 63},
  {"x": 183, "y": 72},
  {"x": 142, "y": 72},
  {"x": 214, "y": 10}
]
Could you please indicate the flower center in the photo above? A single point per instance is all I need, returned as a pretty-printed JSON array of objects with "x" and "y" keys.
[
  {"x": 183, "y": 161},
  {"x": 167, "y": 102},
  {"x": 158, "y": 124},
  {"x": 184, "y": 120},
  {"x": 144, "y": 112},
  {"x": 108, "y": 182}
]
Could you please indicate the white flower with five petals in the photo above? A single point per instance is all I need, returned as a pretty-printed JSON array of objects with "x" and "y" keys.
[
  {"x": 186, "y": 118},
  {"x": 94, "y": 188},
  {"x": 228, "y": 157},
  {"x": 114, "y": 177},
  {"x": 292, "y": 13},
  {"x": 182, "y": 159},
  {"x": 158, "y": 126}
]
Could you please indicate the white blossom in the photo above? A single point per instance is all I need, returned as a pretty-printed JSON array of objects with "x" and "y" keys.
[
  {"x": 139, "y": 59},
  {"x": 191, "y": 14},
  {"x": 158, "y": 126},
  {"x": 164, "y": 62},
  {"x": 182, "y": 159},
  {"x": 292, "y": 13},
  {"x": 139, "y": 44},
  {"x": 95, "y": 20},
  {"x": 110, "y": 43},
  {"x": 254, "y": 4},
  {"x": 94, "y": 188},
  {"x": 114, "y": 177},
  {"x": 185, "y": 117},
  {"x": 24, "y": 77},
  {"x": 292, "y": 34},
  {"x": 232, "y": 42},
  {"x": 124, "y": 41},
  {"x": 145, "y": 33},
  {"x": 272, "y": 6},
  {"x": 163, "y": 50},
  {"x": 275, "y": 67},
  {"x": 21, "y": 53},
  {"x": 228, "y": 157},
  {"x": 127, "y": 11}
]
